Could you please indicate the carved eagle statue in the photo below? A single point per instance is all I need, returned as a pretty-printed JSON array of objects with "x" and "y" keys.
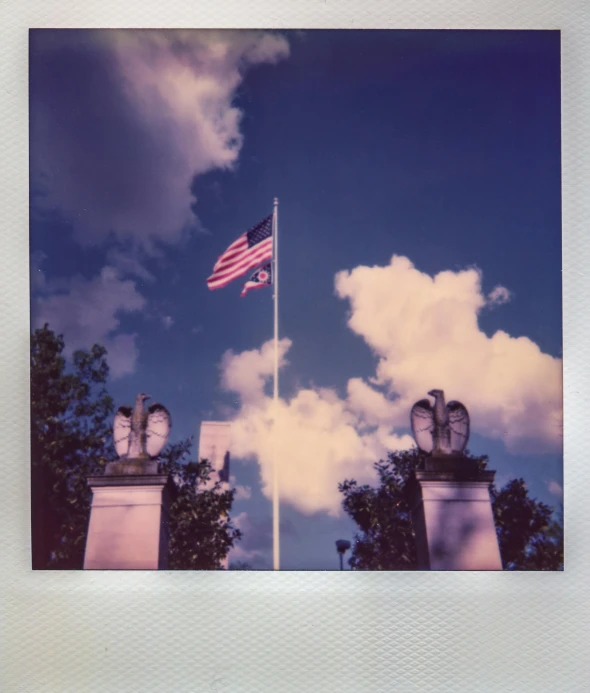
[
  {"x": 140, "y": 434},
  {"x": 442, "y": 429}
]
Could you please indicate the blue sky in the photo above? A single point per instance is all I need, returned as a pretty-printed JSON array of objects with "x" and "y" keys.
[{"x": 151, "y": 152}]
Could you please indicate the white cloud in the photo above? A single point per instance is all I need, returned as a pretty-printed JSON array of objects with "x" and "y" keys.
[
  {"x": 498, "y": 296},
  {"x": 371, "y": 406},
  {"x": 116, "y": 153},
  {"x": 243, "y": 493},
  {"x": 555, "y": 488},
  {"x": 424, "y": 333},
  {"x": 320, "y": 442},
  {"x": 116, "y": 141},
  {"x": 88, "y": 312},
  {"x": 247, "y": 372}
]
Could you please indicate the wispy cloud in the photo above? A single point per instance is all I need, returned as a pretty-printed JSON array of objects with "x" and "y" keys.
[
  {"x": 121, "y": 124},
  {"x": 122, "y": 121},
  {"x": 89, "y": 312},
  {"x": 555, "y": 488},
  {"x": 128, "y": 263},
  {"x": 243, "y": 493},
  {"x": 498, "y": 296}
]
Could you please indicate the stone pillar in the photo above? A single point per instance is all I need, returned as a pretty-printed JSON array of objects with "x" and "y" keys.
[
  {"x": 452, "y": 516},
  {"x": 128, "y": 528}
]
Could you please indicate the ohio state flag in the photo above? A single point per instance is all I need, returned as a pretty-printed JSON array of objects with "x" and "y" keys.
[{"x": 262, "y": 277}]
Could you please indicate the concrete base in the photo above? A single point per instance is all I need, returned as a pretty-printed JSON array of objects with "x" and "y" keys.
[
  {"x": 452, "y": 517},
  {"x": 128, "y": 527}
]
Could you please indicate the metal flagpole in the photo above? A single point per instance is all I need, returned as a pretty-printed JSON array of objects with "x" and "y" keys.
[{"x": 275, "y": 466}]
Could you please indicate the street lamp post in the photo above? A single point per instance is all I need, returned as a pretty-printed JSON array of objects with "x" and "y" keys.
[{"x": 342, "y": 547}]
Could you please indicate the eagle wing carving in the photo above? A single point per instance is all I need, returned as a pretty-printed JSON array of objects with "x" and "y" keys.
[
  {"x": 158, "y": 424},
  {"x": 459, "y": 425},
  {"x": 422, "y": 420},
  {"x": 122, "y": 430}
]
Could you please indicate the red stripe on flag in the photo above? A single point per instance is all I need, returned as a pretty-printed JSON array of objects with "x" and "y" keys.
[
  {"x": 241, "y": 264},
  {"x": 252, "y": 285},
  {"x": 235, "y": 248}
]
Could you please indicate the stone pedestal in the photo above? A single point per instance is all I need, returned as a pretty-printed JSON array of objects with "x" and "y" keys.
[
  {"x": 128, "y": 527},
  {"x": 452, "y": 516}
]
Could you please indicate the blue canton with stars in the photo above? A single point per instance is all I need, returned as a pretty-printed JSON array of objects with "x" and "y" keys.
[{"x": 260, "y": 232}]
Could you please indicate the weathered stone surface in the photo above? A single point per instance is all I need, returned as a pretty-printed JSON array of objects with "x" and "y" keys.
[
  {"x": 452, "y": 515},
  {"x": 128, "y": 527}
]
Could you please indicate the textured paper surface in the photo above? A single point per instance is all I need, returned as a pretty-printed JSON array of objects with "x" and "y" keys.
[{"x": 254, "y": 632}]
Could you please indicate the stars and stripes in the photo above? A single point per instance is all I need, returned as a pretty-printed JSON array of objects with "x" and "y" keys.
[
  {"x": 254, "y": 249},
  {"x": 262, "y": 277},
  {"x": 250, "y": 249}
]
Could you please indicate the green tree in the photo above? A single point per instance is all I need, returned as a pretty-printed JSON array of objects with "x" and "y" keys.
[
  {"x": 528, "y": 536},
  {"x": 70, "y": 429},
  {"x": 201, "y": 530},
  {"x": 383, "y": 515},
  {"x": 71, "y": 438},
  {"x": 546, "y": 551}
]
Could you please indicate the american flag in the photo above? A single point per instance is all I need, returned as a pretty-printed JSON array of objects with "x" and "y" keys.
[
  {"x": 261, "y": 277},
  {"x": 249, "y": 250}
]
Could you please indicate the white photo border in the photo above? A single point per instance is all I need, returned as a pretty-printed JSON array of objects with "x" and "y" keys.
[{"x": 300, "y": 631}]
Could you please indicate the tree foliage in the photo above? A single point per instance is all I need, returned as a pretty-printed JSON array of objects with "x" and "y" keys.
[
  {"x": 383, "y": 515},
  {"x": 201, "y": 530},
  {"x": 70, "y": 434},
  {"x": 530, "y": 538},
  {"x": 71, "y": 439}
]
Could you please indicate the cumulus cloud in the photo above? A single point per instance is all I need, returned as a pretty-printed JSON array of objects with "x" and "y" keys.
[
  {"x": 498, "y": 296},
  {"x": 121, "y": 122},
  {"x": 87, "y": 312},
  {"x": 247, "y": 372},
  {"x": 424, "y": 333},
  {"x": 320, "y": 439}
]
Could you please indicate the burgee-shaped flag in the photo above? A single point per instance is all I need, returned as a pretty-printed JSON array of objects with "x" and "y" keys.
[{"x": 262, "y": 277}]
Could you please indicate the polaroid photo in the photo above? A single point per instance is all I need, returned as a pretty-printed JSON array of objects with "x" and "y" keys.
[
  {"x": 204, "y": 459},
  {"x": 407, "y": 255}
]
